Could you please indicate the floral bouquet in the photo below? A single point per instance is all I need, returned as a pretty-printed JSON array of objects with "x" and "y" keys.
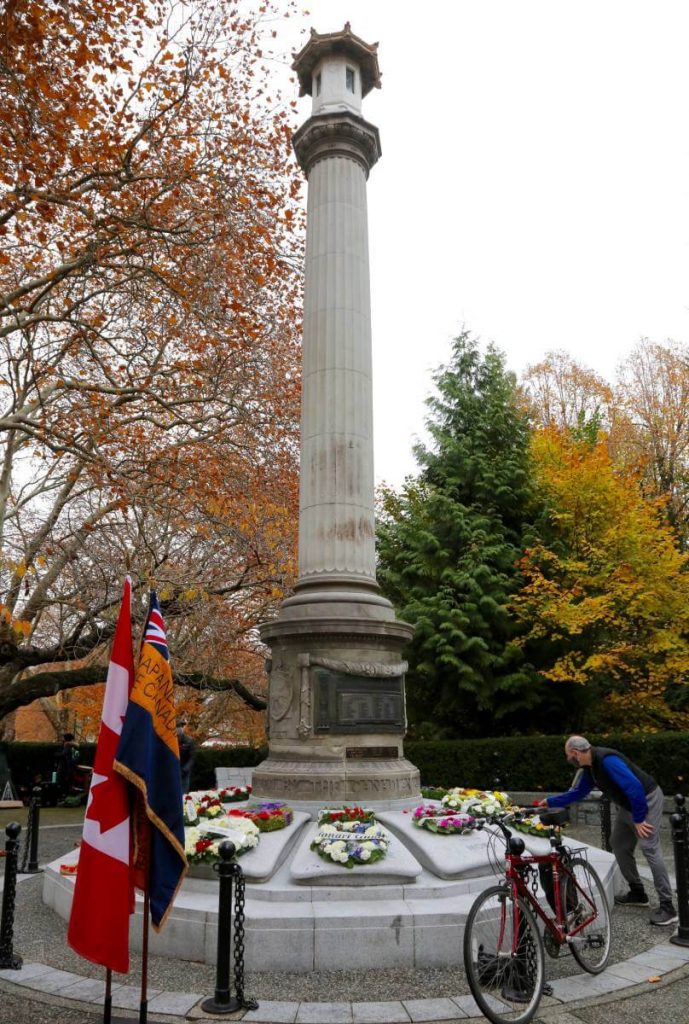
[
  {"x": 443, "y": 823},
  {"x": 233, "y": 794},
  {"x": 269, "y": 817},
  {"x": 201, "y": 844},
  {"x": 433, "y": 792},
  {"x": 477, "y": 802},
  {"x": 206, "y": 808},
  {"x": 533, "y": 826},
  {"x": 336, "y": 815},
  {"x": 351, "y": 843},
  {"x": 211, "y": 803},
  {"x": 210, "y": 807}
]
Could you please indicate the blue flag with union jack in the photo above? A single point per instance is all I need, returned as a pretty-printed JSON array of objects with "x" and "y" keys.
[{"x": 148, "y": 756}]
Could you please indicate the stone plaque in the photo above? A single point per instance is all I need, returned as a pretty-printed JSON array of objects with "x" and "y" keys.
[
  {"x": 348, "y": 703},
  {"x": 364, "y": 753}
]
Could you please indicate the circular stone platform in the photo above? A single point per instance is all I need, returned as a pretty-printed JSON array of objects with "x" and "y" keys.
[{"x": 304, "y": 913}]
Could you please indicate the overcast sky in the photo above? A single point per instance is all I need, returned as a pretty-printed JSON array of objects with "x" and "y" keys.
[{"x": 533, "y": 187}]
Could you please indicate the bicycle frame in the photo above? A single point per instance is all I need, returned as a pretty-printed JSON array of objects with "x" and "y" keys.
[{"x": 557, "y": 924}]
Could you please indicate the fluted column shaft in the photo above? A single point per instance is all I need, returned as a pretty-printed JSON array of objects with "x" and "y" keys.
[{"x": 336, "y": 532}]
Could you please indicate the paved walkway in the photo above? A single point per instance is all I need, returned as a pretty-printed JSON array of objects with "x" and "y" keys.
[
  {"x": 616, "y": 995},
  {"x": 620, "y": 981}
]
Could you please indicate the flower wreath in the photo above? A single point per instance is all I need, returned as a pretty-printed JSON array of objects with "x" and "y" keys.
[
  {"x": 443, "y": 823},
  {"x": 201, "y": 845},
  {"x": 351, "y": 843}
]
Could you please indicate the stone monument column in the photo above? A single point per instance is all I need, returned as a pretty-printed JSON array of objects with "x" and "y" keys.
[{"x": 336, "y": 697}]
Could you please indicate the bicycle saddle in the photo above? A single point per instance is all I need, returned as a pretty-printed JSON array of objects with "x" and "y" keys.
[{"x": 554, "y": 816}]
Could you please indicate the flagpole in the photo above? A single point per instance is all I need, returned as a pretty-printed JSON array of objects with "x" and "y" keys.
[
  {"x": 107, "y": 1006},
  {"x": 143, "y": 1007}
]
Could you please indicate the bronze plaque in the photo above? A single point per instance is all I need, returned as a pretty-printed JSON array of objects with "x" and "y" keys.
[
  {"x": 354, "y": 704},
  {"x": 366, "y": 753}
]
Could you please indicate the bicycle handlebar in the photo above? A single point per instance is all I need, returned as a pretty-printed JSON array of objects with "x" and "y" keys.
[{"x": 518, "y": 815}]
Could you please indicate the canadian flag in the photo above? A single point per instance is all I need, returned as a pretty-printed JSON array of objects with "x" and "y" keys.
[{"x": 104, "y": 894}]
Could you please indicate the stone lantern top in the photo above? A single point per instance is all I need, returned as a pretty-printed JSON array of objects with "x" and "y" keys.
[{"x": 337, "y": 69}]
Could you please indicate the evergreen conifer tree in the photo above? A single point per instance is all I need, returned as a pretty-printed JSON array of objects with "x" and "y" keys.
[{"x": 448, "y": 547}]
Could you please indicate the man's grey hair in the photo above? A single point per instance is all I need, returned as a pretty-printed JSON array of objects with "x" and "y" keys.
[{"x": 578, "y": 743}]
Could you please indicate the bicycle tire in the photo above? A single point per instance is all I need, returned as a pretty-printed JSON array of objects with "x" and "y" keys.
[
  {"x": 600, "y": 930},
  {"x": 507, "y": 989}
]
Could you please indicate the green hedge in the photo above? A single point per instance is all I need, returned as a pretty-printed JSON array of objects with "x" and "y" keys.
[
  {"x": 511, "y": 763},
  {"x": 31, "y": 762},
  {"x": 538, "y": 763},
  {"x": 35, "y": 762},
  {"x": 209, "y": 758}
]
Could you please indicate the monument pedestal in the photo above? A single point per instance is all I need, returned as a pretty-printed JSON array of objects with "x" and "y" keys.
[{"x": 336, "y": 710}]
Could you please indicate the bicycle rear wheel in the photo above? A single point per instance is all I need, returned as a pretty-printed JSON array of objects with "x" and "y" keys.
[
  {"x": 503, "y": 957},
  {"x": 587, "y": 903}
]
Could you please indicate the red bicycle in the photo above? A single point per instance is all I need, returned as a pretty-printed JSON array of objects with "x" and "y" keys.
[{"x": 504, "y": 954}]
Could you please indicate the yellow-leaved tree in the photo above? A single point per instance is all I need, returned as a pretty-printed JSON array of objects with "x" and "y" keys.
[{"x": 606, "y": 593}]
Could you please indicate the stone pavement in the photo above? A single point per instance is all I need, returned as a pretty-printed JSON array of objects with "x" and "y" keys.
[
  {"x": 613, "y": 995},
  {"x": 654, "y": 981}
]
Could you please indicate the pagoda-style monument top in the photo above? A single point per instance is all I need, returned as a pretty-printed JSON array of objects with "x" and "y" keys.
[{"x": 332, "y": 55}]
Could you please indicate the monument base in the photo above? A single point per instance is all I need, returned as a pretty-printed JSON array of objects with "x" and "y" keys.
[
  {"x": 361, "y": 781},
  {"x": 336, "y": 712}
]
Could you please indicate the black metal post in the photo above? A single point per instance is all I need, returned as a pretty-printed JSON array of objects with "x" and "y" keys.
[
  {"x": 8, "y": 959},
  {"x": 36, "y": 793},
  {"x": 678, "y": 821},
  {"x": 29, "y": 859},
  {"x": 605, "y": 822},
  {"x": 223, "y": 1001}
]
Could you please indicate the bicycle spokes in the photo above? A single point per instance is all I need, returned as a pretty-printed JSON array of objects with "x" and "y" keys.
[
  {"x": 504, "y": 957},
  {"x": 588, "y": 923}
]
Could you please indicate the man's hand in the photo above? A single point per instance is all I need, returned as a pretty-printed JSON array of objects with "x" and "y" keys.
[
  {"x": 541, "y": 803},
  {"x": 644, "y": 829}
]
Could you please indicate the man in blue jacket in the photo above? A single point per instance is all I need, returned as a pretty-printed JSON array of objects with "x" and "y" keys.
[{"x": 639, "y": 801}]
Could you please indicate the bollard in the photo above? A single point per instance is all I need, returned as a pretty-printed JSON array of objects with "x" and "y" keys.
[
  {"x": 678, "y": 821},
  {"x": 29, "y": 861},
  {"x": 605, "y": 822},
  {"x": 223, "y": 1001},
  {"x": 8, "y": 959}
]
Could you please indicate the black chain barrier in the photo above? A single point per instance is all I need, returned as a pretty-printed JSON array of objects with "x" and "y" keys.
[
  {"x": 605, "y": 822},
  {"x": 680, "y": 846},
  {"x": 29, "y": 864},
  {"x": 8, "y": 958},
  {"x": 223, "y": 1001}
]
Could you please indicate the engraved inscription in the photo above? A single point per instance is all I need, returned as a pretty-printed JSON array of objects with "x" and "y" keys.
[
  {"x": 355, "y": 707},
  {"x": 345, "y": 703},
  {"x": 364, "y": 753}
]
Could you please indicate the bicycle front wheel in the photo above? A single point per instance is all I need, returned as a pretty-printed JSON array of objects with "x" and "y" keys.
[
  {"x": 588, "y": 916},
  {"x": 503, "y": 957}
]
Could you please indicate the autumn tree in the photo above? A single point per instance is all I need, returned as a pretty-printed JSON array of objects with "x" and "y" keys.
[
  {"x": 653, "y": 392},
  {"x": 606, "y": 592},
  {"x": 148, "y": 347},
  {"x": 448, "y": 548},
  {"x": 564, "y": 393}
]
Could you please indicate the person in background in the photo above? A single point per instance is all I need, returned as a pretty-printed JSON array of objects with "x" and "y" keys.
[
  {"x": 67, "y": 758},
  {"x": 639, "y": 801},
  {"x": 187, "y": 753}
]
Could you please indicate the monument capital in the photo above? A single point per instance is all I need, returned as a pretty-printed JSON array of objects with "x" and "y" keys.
[{"x": 330, "y": 135}]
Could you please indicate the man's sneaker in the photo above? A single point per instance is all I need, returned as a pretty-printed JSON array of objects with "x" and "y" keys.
[
  {"x": 633, "y": 898},
  {"x": 663, "y": 916}
]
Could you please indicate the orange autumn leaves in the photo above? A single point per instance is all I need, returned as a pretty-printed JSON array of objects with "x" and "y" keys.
[
  {"x": 150, "y": 294},
  {"x": 608, "y": 589}
]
